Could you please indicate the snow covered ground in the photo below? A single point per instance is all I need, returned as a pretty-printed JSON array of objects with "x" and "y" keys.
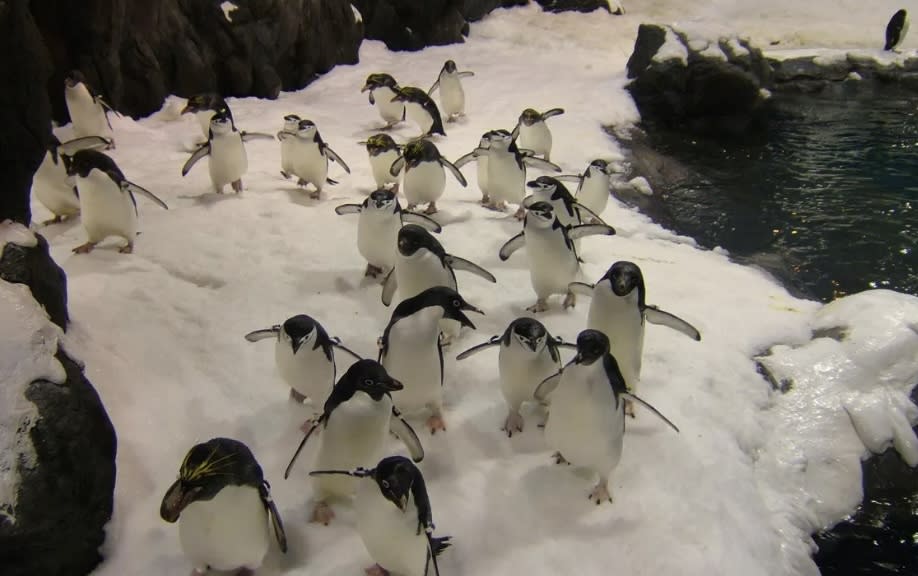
[{"x": 752, "y": 473}]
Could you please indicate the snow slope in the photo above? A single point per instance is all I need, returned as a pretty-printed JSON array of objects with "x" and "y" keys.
[{"x": 161, "y": 331}]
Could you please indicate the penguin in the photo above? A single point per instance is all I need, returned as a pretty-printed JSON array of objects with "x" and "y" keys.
[
  {"x": 310, "y": 155},
  {"x": 383, "y": 88},
  {"x": 452, "y": 97},
  {"x": 381, "y": 217},
  {"x": 383, "y": 151},
  {"x": 422, "y": 263},
  {"x": 481, "y": 163},
  {"x": 226, "y": 148},
  {"x": 107, "y": 203},
  {"x": 586, "y": 423},
  {"x": 896, "y": 30},
  {"x": 619, "y": 310},
  {"x": 223, "y": 506},
  {"x": 411, "y": 351},
  {"x": 568, "y": 210},
  {"x": 51, "y": 185},
  {"x": 88, "y": 111},
  {"x": 528, "y": 355},
  {"x": 421, "y": 109},
  {"x": 592, "y": 186},
  {"x": 354, "y": 424},
  {"x": 305, "y": 356},
  {"x": 533, "y": 132},
  {"x": 425, "y": 178},
  {"x": 291, "y": 126},
  {"x": 204, "y": 106},
  {"x": 394, "y": 518},
  {"x": 553, "y": 259}
]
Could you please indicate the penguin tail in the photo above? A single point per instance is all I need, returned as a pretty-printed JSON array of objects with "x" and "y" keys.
[{"x": 438, "y": 545}]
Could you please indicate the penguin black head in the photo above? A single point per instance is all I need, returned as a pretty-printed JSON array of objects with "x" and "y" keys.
[
  {"x": 412, "y": 238},
  {"x": 449, "y": 66},
  {"x": 205, "y": 101},
  {"x": 545, "y": 184},
  {"x": 541, "y": 211},
  {"x": 221, "y": 122},
  {"x": 499, "y": 139},
  {"x": 420, "y": 150},
  {"x": 411, "y": 94},
  {"x": 600, "y": 165},
  {"x": 530, "y": 116},
  {"x": 529, "y": 332},
  {"x": 375, "y": 81},
  {"x": 306, "y": 128},
  {"x": 382, "y": 199},
  {"x": 206, "y": 470},
  {"x": 379, "y": 143},
  {"x": 74, "y": 78},
  {"x": 395, "y": 477},
  {"x": 591, "y": 346},
  {"x": 298, "y": 330},
  {"x": 452, "y": 303},
  {"x": 291, "y": 122},
  {"x": 370, "y": 377},
  {"x": 624, "y": 276},
  {"x": 82, "y": 162}
]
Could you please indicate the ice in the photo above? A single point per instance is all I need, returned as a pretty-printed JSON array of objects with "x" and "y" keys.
[
  {"x": 15, "y": 233},
  {"x": 228, "y": 9}
]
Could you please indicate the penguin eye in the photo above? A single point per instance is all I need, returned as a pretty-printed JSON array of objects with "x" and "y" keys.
[
  {"x": 457, "y": 304},
  {"x": 384, "y": 484},
  {"x": 368, "y": 382}
]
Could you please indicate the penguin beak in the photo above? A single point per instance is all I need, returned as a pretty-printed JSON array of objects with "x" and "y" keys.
[
  {"x": 366, "y": 87},
  {"x": 297, "y": 343},
  {"x": 463, "y": 319},
  {"x": 176, "y": 499},
  {"x": 392, "y": 385},
  {"x": 187, "y": 108},
  {"x": 402, "y": 503},
  {"x": 532, "y": 343}
]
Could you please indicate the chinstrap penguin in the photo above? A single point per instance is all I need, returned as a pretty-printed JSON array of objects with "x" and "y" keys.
[
  {"x": 593, "y": 185},
  {"x": 310, "y": 156},
  {"x": 452, "y": 96},
  {"x": 533, "y": 132},
  {"x": 291, "y": 127},
  {"x": 52, "y": 186},
  {"x": 481, "y": 165},
  {"x": 88, "y": 111}
]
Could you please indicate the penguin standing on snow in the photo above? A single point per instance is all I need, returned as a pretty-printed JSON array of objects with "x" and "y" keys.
[
  {"x": 51, "y": 185},
  {"x": 354, "y": 426},
  {"x": 223, "y": 505},
  {"x": 896, "y": 30},
  {"x": 383, "y": 152},
  {"x": 552, "y": 254},
  {"x": 528, "y": 355},
  {"x": 586, "y": 422},
  {"x": 381, "y": 217},
  {"x": 204, "y": 106},
  {"x": 452, "y": 96},
  {"x": 394, "y": 518},
  {"x": 107, "y": 203},
  {"x": 88, "y": 111},
  {"x": 481, "y": 162},
  {"x": 411, "y": 351},
  {"x": 383, "y": 88},
  {"x": 291, "y": 126},
  {"x": 310, "y": 155},
  {"x": 425, "y": 174},
  {"x": 226, "y": 149},
  {"x": 421, "y": 109},
  {"x": 593, "y": 185},
  {"x": 533, "y": 132},
  {"x": 569, "y": 211}
]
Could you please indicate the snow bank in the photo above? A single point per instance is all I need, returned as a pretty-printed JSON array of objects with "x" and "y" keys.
[{"x": 15, "y": 233}]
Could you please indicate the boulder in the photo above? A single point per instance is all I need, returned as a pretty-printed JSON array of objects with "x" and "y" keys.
[
  {"x": 576, "y": 5},
  {"x": 34, "y": 267},
  {"x": 412, "y": 25}
]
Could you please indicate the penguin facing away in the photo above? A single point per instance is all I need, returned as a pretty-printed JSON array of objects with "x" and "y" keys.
[
  {"x": 425, "y": 174},
  {"x": 204, "y": 106},
  {"x": 381, "y": 218},
  {"x": 421, "y": 109},
  {"x": 533, "y": 132},
  {"x": 586, "y": 422},
  {"x": 291, "y": 126},
  {"x": 107, "y": 203},
  {"x": 452, "y": 96},
  {"x": 896, "y": 30},
  {"x": 51, "y": 185},
  {"x": 394, "y": 518},
  {"x": 383, "y": 152},
  {"x": 310, "y": 156},
  {"x": 383, "y": 88},
  {"x": 223, "y": 505},
  {"x": 88, "y": 111}
]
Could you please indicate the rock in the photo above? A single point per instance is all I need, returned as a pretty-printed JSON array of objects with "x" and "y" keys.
[
  {"x": 574, "y": 5},
  {"x": 412, "y": 25},
  {"x": 34, "y": 267}
]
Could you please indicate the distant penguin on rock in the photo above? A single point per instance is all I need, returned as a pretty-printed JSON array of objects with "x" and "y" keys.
[
  {"x": 896, "y": 30},
  {"x": 452, "y": 96},
  {"x": 88, "y": 111}
]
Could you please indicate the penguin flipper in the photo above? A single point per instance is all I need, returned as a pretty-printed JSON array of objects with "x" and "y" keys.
[
  {"x": 246, "y": 136},
  {"x": 421, "y": 220},
  {"x": 547, "y": 386},
  {"x": 553, "y": 112},
  {"x": 656, "y": 316},
  {"x": 455, "y": 171},
  {"x": 406, "y": 434},
  {"x": 397, "y": 166},
  {"x": 457, "y": 263},
  {"x": 590, "y": 230},
  {"x": 512, "y": 245},
  {"x": 284, "y": 134},
  {"x": 465, "y": 159},
  {"x": 70, "y": 147},
  {"x": 263, "y": 334},
  {"x": 516, "y": 132},
  {"x": 433, "y": 88},
  {"x": 276, "y": 522},
  {"x": 569, "y": 177},
  {"x": 331, "y": 182},
  {"x": 541, "y": 164},
  {"x": 201, "y": 152},
  {"x": 494, "y": 341},
  {"x": 336, "y": 342},
  {"x": 431, "y": 558},
  {"x": 335, "y": 158},
  {"x": 466, "y": 74},
  {"x": 348, "y": 209},
  {"x": 656, "y": 412},
  {"x": 389, "y": 287},
  {"x": 372, "y": 99},
  {"x": 134, "y": 188},
  {"x": 581, "y": 289},
  {"x": 299, "y": 448},
  {"x": 581, "y": 208}
]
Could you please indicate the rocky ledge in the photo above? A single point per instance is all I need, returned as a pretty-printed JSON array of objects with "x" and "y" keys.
[{"x": 806, "y": 71}]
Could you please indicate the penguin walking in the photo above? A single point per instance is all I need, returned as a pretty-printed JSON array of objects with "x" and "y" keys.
[
  {"x": 226, "y": 149},
  {"x": 291, "y": 126},
  {"x": 619, "y": 310},
  {"x": 896, "y": 30},
  {"x": 310, "y": 155},
  {"x": 452, "y": 96},
  {"x": 528, "y": 355},
  {"x": 383, "y": 152},
  {"x": 358, "y": 415},
  {"x": 421, "y": 109},
  {"x": 305, "y": 356},
  {"x": 507, "y": 171},
  {"x": 425, "y": 177},
  {"x": 51, "y": 185},
  {"x": 383, "y": 89},
  {"x": 422, "y": 263},
  {"x": 411, "y": 351},
  {"x": 88, "y": 111},
  {"x": 481, "y": 165},
  {"x": 553, "y": 259},
  {"x": 107, "y": 203},
  {"x": 204, "y": 106},
  {"x": 381, "y": 217},
  {"x": 394, "y": 518},
  {"x": 223, "y": 505},
  {"x": 533, "y": 132},
  {"x": 586, "y": 423},
  {"x": 593, "y": 186},
  {"x": 569, "y": 211}
]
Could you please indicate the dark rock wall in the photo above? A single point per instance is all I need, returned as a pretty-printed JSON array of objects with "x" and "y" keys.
[{"x": 35, "y": 268}]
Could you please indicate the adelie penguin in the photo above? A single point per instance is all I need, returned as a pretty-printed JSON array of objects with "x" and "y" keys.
[
  {"x": 353, "y": 428},
  {"x": 305, "y": 357},
  {"x": 425, "y": 174},
  {"x": 896, "y": 30},
  {"x": 107, "y": 203},
  {"x": 291, "y": 126},
  {"x": 528, "y": 355},
  {"x": 421, "y": 109},
  {"x": 394, "y": 518},
  {"x": 383, "y": 152},
  {"x": 381, "y": 218},
  {"x": 310, "y": 155},
  {"x": 481, "y": 164},
  {"x": 452, "y": 96},
  {"x": 593, "y": 185},
  {"x": 224, "y": 509},
  {"x": 88, "y": 111},
  {"x": 204, "y": 106},
  {"x": 383, "y": 88},
  {"x": 226, "y": 150},
  {"x": 51, "y": 185},
  {"x": 533, "y": 132},
  {"x": 411, "y": 351},
  {"x": 586, "y": 423},
  {"x": 552, "y": 253}
]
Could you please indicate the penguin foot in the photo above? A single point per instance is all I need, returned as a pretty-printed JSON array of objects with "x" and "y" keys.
[
  {"x": 237, "y": 186},
  {"x": 435, "y": 423},
  {"x": 411, "y": 207},
  {"x": 372, "y": 271},
  {"x": 600, "y": 493},
  {"x": 54, "y": 220},
  {"x": 485, "y": 200},
  {"x": 559, "y": 459},
  {"x": 541, "y": 305},
  {"x": 127, "y": 248},
  {"x": 315, "y": 194},
  {"x": 322, "y": 514},
  {"x": 570, "y": 300},
  {"x": 297, "y": 397},
  {"x": 84, "y": 248},
  {"x": 513, "y": 423},
  {"x": 285, "y": 175},
  {"x": 308, "y": 425},
  {"x": 629, "y": 408},
  {"x": 376, "y": 570},
  {"x": 431, "y": 208},
  {"x": 520, "y": 213}
]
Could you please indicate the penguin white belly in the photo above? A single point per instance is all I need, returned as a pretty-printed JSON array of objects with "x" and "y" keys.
[
  {"x": 377, "y": 237},
  {"x": 521, "y": 372},
  {"x": 287, "y": 146},
  {"x": 354, "y": 436},
  {"x": 203, "y": 117},
  {"x": 482, "y": 173},
  {"x": 389, "y": 111},
  {"x": 413, "y": 359},
  {"x": 309, "y": 371},
  {"x": 228, "y": 160},
  {"x": 309, "y": 163},
  {"x": 452, "y": 96},
  {"x": 417, "y": 114},
  {"x": 620, "y": 319},
  {"x": 380, "y": 165},
  {"x": 228, "y": 532},
  {"x": 506, "y": 180},
  {"x": 424, "y": 183},
  {"x": 536, "y": 138},
  {"x": 419, "y": 272},
  {"x": 552, "y": 265},
  {"x": 86, "y": 115},
  {"x": 583, "y": 424},
  {"x": 594, "y": 193},
  {"x": 106, "y": 209},
  {"x": 390, "y": 535},
  {"x": 50, "y": 187}
]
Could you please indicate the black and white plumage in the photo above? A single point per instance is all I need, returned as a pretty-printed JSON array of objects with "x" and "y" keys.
[
  {"x": 421, "y": 109},
  {"x": 425, "y": 174},
  {"x": 291, "y": 127},
  {"x": 452, "y": 96},
  {"x": 88, "y": 111},
  {"x": 567, "y": 209},
  {"x": 383, "y": 88},
  {"x": 204, "y": 106},
  {"x": 481, "y": 163},
  {"x": 593, "y": 185},
  {"x": 896, "y": 30},
  {"x": 383, "y": 152},
  {"x": 309, "y": 156},
  {"x": 51, "y": 185},
  {"x": 533, "y": 132},
  {"x": 223, "y": 506}
]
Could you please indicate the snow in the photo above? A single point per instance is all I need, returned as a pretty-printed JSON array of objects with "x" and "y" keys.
[
  {"x": 228, "y": 9},
  {"x": 641, "y": 184},
  {"x": 752, "y": 473},
  {"x": 673, "y": 48},
  {"x": 15, "y": 233},
  {"x": 358, "y": 17}
]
